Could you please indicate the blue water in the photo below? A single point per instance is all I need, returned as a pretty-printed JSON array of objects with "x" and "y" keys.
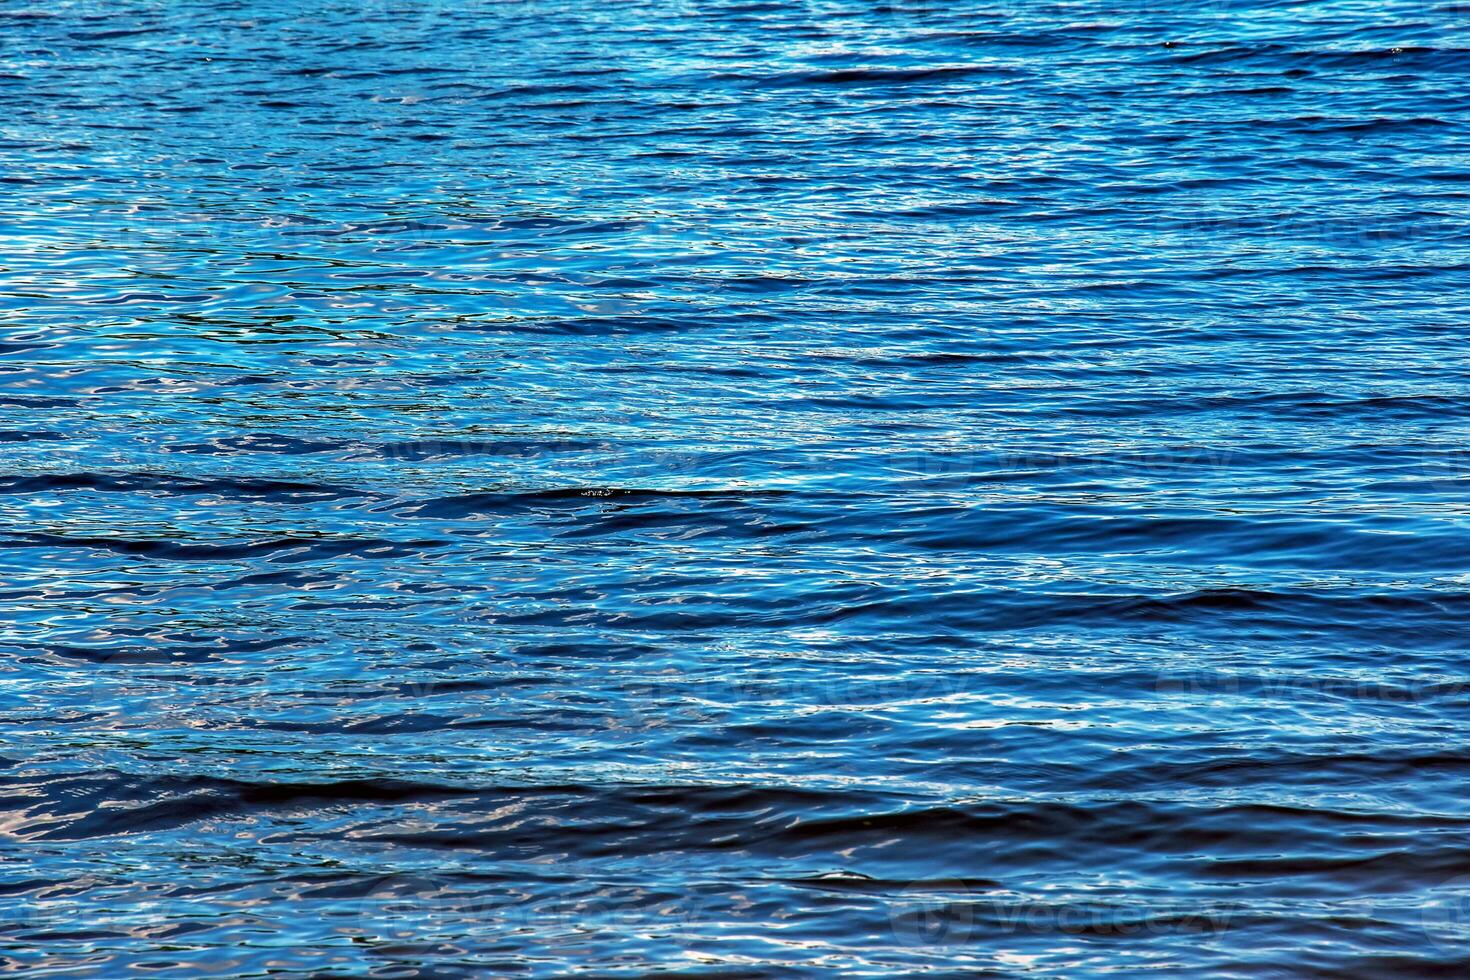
[{"x": 752, "y": 489}]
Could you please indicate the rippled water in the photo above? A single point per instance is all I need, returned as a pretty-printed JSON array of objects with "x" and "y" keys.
[{"x": 734, "y": 488}]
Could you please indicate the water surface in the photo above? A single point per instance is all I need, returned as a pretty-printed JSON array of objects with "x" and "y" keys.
[{"x": 734, "y": 488}]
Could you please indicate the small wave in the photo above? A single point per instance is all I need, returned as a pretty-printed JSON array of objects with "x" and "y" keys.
[
  {"x": 871, "y": 76},
  {"x": 147, "y": 483},
  {"x": 277, "y": 549},
  {"x": 484, "y": 504}
]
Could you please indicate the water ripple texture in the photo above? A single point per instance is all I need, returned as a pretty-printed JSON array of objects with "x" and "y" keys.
[{"x": 734, "y": 488}]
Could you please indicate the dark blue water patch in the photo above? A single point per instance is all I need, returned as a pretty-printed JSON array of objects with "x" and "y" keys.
[
  {"x": 734, "y": 489},
  {"x": 161, "y": 484}
]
